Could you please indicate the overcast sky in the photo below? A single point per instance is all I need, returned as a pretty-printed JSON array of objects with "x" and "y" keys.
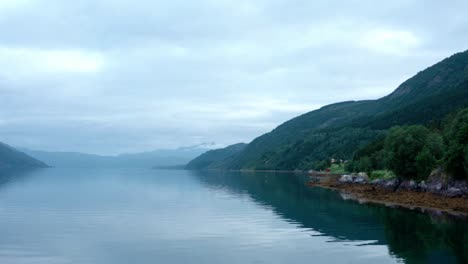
[{"x": 112, "y": 76}]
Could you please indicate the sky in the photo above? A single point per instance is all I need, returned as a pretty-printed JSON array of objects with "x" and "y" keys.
[{"x": 116, "y": 76}]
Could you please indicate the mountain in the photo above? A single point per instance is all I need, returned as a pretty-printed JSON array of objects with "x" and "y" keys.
[
  {"x": 216, "y": 159},
  {"x": 337, "y": 130},
  {"x": 11, "y": 158},
  {"x": 157, "y": 158}
]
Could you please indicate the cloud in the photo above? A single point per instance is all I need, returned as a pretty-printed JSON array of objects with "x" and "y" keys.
[
  {"x": 113, "y": 76},
  {"x": 27, "y": 62},
  {"x": 393, "y": 42},
  {"x": 6, "y": 5}
]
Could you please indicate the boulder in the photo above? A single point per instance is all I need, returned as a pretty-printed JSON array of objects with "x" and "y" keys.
[
  {"x": 409, "y": 185},
  {"x": 346, "y": 178},
  {"x": 360, "y": 180},
  {"x": 363, "y": 175},
  {"x": 435, "y": 187},
  {"x": 452, "y": 192},
  {"x": 391, "y": 184},
  {"x": 439, "y": 175},
  {"x": 437, "y": 181},
  {"x": 422, "y": 186},
  {"x": 377, "y": 182},
  {"x": 461, "y": 185}
]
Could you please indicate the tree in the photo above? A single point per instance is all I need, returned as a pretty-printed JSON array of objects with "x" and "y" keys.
[
  {"x": 424, "y": 163},
  {"x": 465, "y": 164},
  {"x": 456, "y": 134},
  {"x": 413, "y": 151}
]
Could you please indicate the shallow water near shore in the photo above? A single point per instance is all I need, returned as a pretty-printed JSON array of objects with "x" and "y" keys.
[{"x": 161, "y": 216}]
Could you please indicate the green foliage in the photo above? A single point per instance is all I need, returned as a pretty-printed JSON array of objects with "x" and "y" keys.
[
  {"x": 456, "y": 136},
  {"x": 370, "y": 157},
  {"x": 382, "y": 174},
  {"x": 338, "y": 130},
  {"x": 413, "y": 151},
  {"x": 465, "y": 162},
  {"x": 337, "y": 169},
  {"x": 321, "y": 165},
  {"x": 216, "y": 159},
  {"x": 322, "y": 145},
  {"x": 364, "y": 164},
  {"x": 424, "y": 163}
]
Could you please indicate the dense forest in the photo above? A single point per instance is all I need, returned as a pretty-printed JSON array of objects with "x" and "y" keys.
[
  {"x": 421, "y": 106},
  {"x": 412, "y": 152}
]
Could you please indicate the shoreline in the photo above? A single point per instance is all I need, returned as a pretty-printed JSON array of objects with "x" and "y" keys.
[{"x": 424, "y": 202}]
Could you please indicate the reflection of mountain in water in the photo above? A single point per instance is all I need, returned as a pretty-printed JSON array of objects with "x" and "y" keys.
[
  {"x": 8, "y": 176},
  {"x": 413, "y": 236}
]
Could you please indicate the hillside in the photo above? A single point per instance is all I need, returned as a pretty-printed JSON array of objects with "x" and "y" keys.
[
  {"x": 11, "y": 158},
  {"x": 337, "y": 130},
  {"x": 216, "y": 159}
]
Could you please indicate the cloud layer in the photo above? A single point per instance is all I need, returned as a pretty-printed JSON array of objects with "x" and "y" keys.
[{"x": 123, "y": 76}]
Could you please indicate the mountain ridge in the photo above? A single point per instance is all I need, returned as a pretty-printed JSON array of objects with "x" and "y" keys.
[
  {"x": 335, "y": 130},
  {"x": 148, "y": 159},
  {"x": 11, "y": 158}
]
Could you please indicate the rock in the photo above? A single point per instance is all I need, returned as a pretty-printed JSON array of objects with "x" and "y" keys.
[
  {"x": 422, "y": 186},
  {"x": 461, "y": 185},
  {"x": 391, "y": 184},
  {"x": 346, "y": 178},
  {"x": 439, "y": 175},
  {"x": 377, "y": 182},
  {"x": 435, "y": 187},
  {"x": 453, "y": 192},
  {"x": 360, "y": 180},
  {"x": 404, "y": 185},
  {"x": 437, "y": 181},
  {"x": 409, "y": 185},
  {"x": 363, "y": 175}
]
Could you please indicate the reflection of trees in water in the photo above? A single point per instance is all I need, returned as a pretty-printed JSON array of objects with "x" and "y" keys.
[
  {"x": 415, "y": 237},
  {"x": 420, "y": 238}
]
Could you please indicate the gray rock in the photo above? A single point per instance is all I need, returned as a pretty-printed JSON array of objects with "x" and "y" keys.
[
  {"x": 377, "y": 182},
  {"x": 409, "y": 185},
  {"x": 435, "y": 187},
  {"x": 453, "y": 192},
  {"x": 346, "y": 178},
  {"x": 360, "y": 180},
  {"x": 391, "y": 184},
  {"x": 461, "y": 185},
  {"x": 363, "y": 175},
  {"x": 422, "y": 186}
]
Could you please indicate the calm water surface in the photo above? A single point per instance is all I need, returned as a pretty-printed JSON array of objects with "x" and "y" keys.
[{"x": 150, "y": 216}]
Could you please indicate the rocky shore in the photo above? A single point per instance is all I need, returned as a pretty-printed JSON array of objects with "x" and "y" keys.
[{"x": 437, "y": 195}]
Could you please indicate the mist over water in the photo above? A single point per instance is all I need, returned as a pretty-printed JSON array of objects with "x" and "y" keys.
[{"x": 158, "y": 216}]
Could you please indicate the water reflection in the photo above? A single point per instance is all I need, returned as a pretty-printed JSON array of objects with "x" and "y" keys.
[
  {"x": 147, "y": 216},
  {"x": 10, "y": 176},
  {"x": 412, "y": 236}
]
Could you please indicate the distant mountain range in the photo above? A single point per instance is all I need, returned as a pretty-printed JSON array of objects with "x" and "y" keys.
[
  {"x": 338, "y": 130},
  {"x": 10, "y": 158},
  {"x": 159, "y": 158}
]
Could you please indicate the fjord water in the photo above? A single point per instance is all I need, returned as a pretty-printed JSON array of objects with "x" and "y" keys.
[{"x": 156, "y": 216}]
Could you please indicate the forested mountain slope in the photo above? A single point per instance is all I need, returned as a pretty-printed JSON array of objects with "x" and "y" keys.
[
  {"x": 216, "y": 159},
  {"x": 337, "y": 130}
]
